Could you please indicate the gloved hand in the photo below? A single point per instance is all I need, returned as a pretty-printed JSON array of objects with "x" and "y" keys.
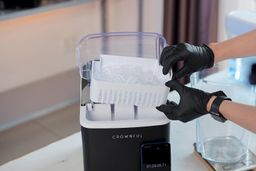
[
  {"x": 195, "y": 58},
  {"x": 252, "y": 77},
  {"x": 193, "y": 102}
]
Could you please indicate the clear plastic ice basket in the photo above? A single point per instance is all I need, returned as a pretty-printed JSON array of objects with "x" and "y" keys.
[{"x": 123, "y": 68}]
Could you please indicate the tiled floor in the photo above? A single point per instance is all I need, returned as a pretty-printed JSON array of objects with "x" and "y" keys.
[{"x": 38, "y": 133}]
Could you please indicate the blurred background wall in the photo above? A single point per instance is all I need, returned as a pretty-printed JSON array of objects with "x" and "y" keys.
[
  {"x": 37, "y": 53},
  {"x": 225, "y": 7}
]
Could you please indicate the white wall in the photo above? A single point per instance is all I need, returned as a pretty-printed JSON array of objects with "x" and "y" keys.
[
  {"x": 41, "y": 45},
  {"x": 226, "y": 6},
  {"x": 153, "y": 16},
  {"x": 123, "y": 15}
]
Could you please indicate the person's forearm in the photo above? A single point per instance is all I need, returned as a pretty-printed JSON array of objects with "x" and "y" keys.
[
  {"x": 241, "y": 114},
  {"x": 240, "y": 46}
]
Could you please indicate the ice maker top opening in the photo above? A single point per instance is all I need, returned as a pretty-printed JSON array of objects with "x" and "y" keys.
[{"x": 133, "y": 44}]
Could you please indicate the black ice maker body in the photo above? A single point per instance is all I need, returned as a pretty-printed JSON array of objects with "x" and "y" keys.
[{"x": 117, "y": 115}]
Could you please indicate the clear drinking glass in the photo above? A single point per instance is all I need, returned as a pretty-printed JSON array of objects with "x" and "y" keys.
[{"x": 223, "y": 142}]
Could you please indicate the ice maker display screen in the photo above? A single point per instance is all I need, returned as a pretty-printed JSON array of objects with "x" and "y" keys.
[{"x": 155, "y": 157}]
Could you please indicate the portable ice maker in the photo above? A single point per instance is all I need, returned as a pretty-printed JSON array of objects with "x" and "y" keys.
[{"x": 120, "y": 87}]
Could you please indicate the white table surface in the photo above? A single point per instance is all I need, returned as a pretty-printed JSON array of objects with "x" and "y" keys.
[{"x": 66, "y": 154}]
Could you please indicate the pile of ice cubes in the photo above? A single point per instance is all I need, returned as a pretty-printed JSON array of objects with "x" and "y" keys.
[{"x": 129, "y": 70}]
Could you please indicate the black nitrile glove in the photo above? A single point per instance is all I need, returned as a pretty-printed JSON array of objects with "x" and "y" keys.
[
  {"x": 195, "y": 58},
  {"x": 193, "y": 102},
  {"x": 252, "y": 77}
]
